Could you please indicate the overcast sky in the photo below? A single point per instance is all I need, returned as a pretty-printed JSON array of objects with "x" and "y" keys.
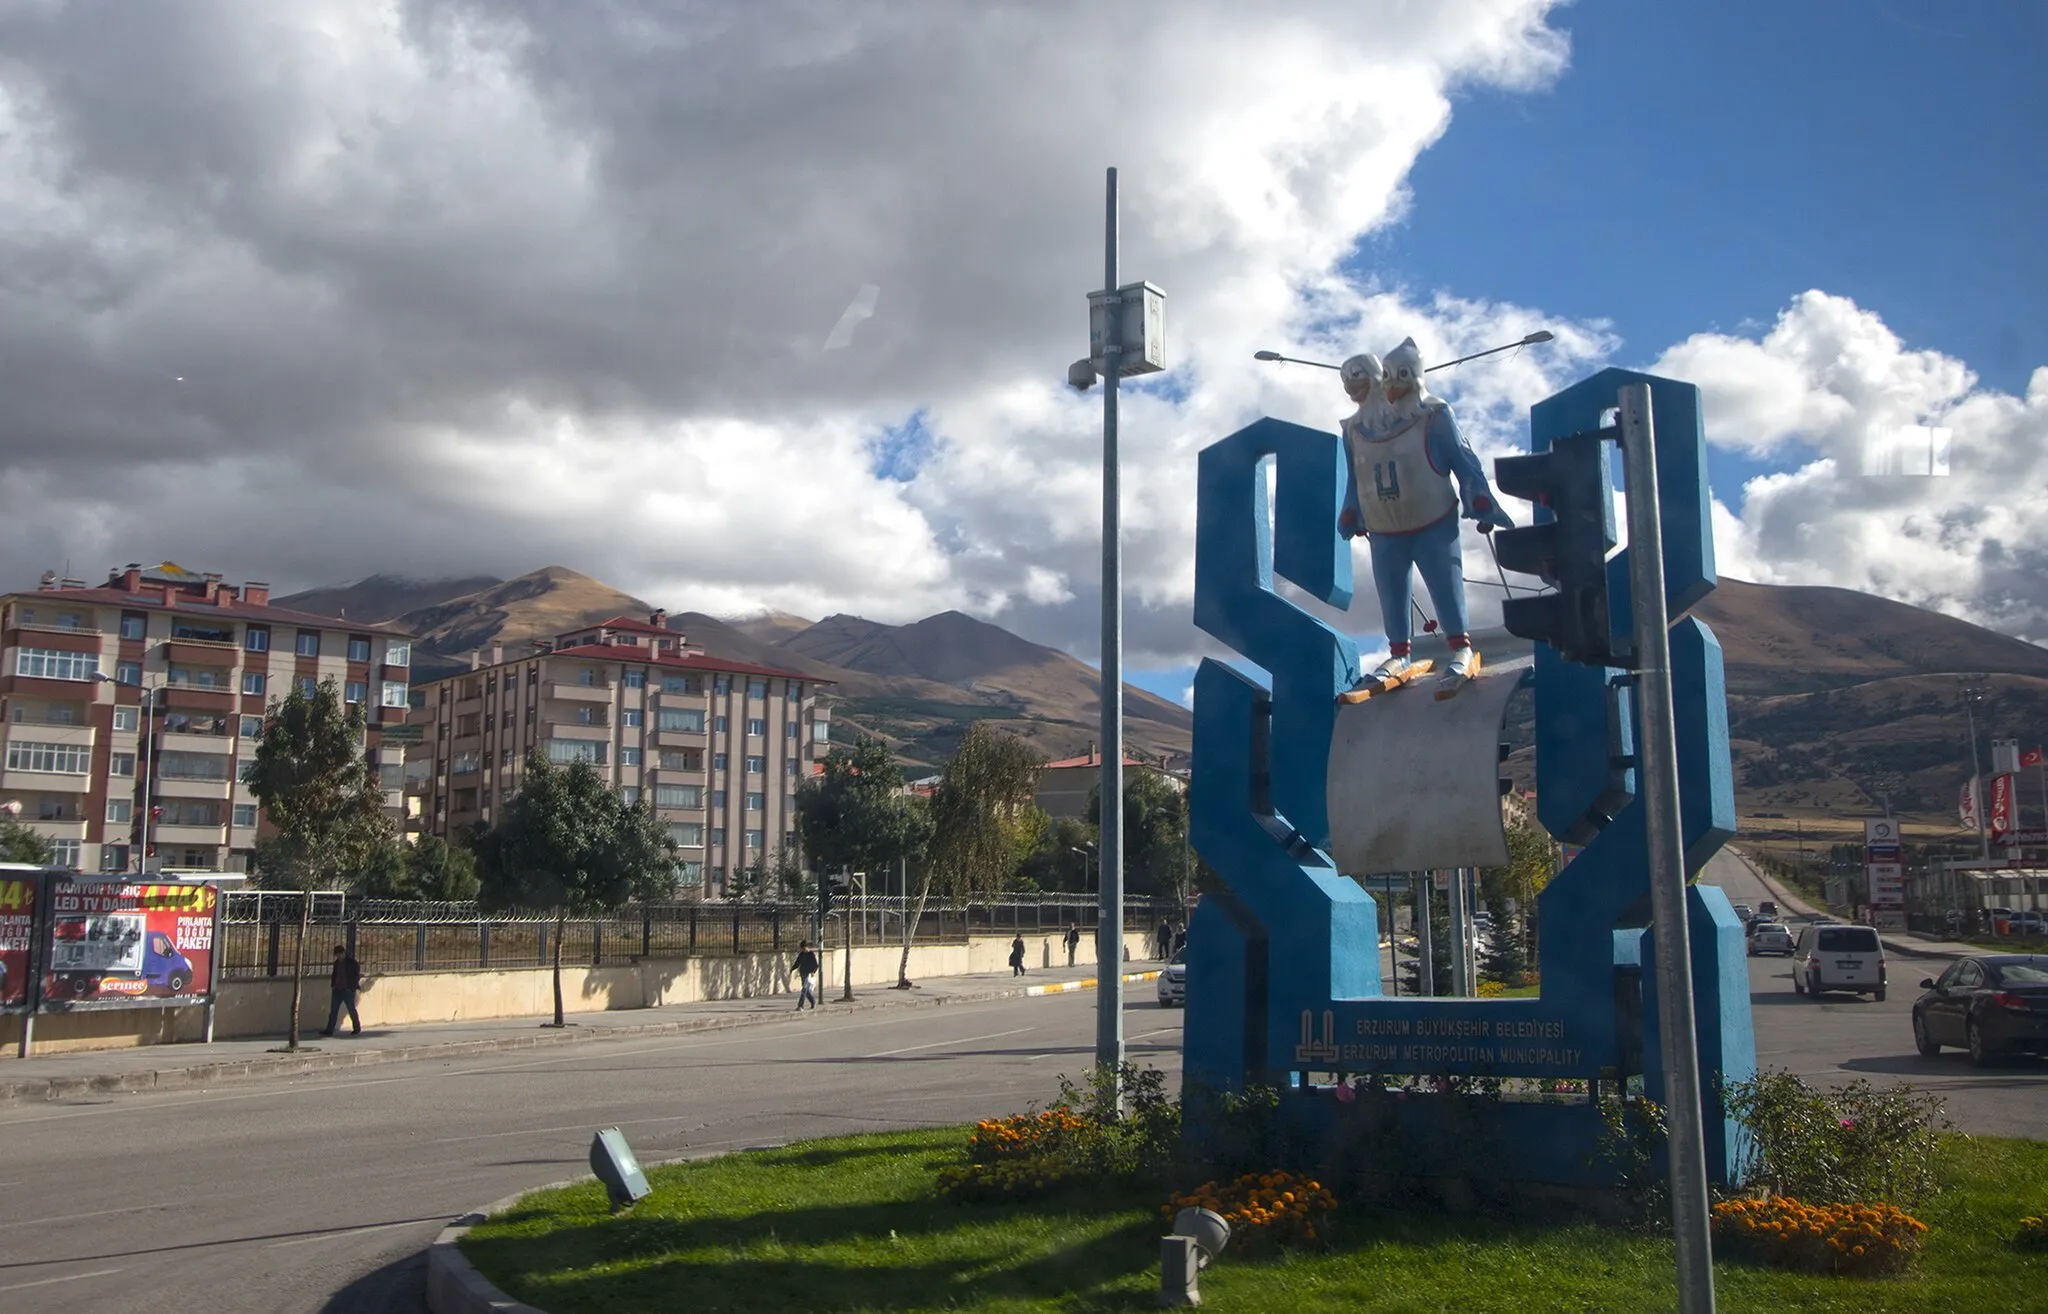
[{"x": 306, "y": 292}]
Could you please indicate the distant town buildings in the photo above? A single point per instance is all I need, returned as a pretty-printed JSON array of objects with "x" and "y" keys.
[
  {"x": 717, "y": 747},
  {"x": 148, "y": 692},
  {"x": 1066, "y": 786}
]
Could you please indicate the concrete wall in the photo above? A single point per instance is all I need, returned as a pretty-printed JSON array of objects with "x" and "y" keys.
[{"x": 251, "y": 1009}]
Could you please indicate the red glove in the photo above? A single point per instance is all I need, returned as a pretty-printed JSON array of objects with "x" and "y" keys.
[{"x": 1347, "y": 523}]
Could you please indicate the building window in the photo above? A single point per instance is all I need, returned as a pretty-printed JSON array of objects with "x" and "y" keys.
[
  {"x": 821, "y": 731},
  {"x": 687, "y": 719},
  {"x": 756, "y": 765},
  {"x": 200, "y": 677},
  {"x": 586, "y": 677},
  {"x": 245, "y": 815},
  {"x": 252, "y": 683},
  {"x": 631, "y": 717},
  {"x": 465, "y": 763},
  {"x": 120, "y": 810},
  {"x": 113, "y": 857},
  {"x": 722, "y": 686},
  {"x": 718, "y": 837},
  {"x": 791, "y": 728},
  {"x": 793, "y": 691},
  {"x": 718, "y": 761},
  {"x": 756, "y": 802},
  {"x": 506, "y": 682},
  {"x": 754, "y": 839},
  {"x": 630, "y": 796},
  {"x": 681, "y": 759},
  {"x": 629, "y": 757},
  {"x": 64, "y": 853},
  {"x": 121, "y": 764},
  {"x": 358, "y": 648},
  {"x": 576, "y": 750},
  {"x": 308, "y": 686},
  {"x": 678, "y": 684},
  {"x": 355, "y": 691},
  {"x": 194, "y": 766},
  {"x": 50, "y": 664},
  {"x": 394, "y": 694},
  {"x": 718, "y": 799},
  {"x": 127, "y": 718},
  {"x": 586, "y": 715},
  {"x": 309, "y": 643},
  {"x": 690, "y": 874},
  {"x": 202, "y": 633},
  {"x": 128, "y": 673},
  {"x": 134, "y": 625},
  {"x": 757, "y": 688},
  {"x": 397, "y": 652},
  {"x": 189, "y": 812},
  {"x": 718, "y": 725},
  {"x": 636, "y": 678},
  {"x": 679, "y": 796},
  {"x": 688, "y": 834},
  {"x": 757, "y": 726},
  {"x": 505, "y": 721},
  {"x": 252, "y": 727},
  {"x": 57, "y": 759},
  {"x": 256, "y": 639}
]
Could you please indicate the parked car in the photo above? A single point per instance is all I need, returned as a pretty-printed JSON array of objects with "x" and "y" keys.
[
  {"x": 2029, "y": 923},
  {"x": 1173, "y": 981},
  {"x": 1769, "y": 938},
  {"x": 1833, "y": 957},
  {"x": 1989, "y": 1004}
]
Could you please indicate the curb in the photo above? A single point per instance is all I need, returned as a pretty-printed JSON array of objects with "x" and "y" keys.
[
  {"x": 453, "y": 1284},
  {"x": 207, "y": 1075},
  {"x": 1089, "y": 983}
]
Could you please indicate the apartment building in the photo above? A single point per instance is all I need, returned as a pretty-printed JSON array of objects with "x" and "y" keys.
[
  {"x": 149, "y": 692},
  {"x": 716, "y": 746}
]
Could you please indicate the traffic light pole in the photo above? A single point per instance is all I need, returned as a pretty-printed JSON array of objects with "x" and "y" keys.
[
  {"x": 1109, "y": 929},
  {"x": 1657, "y": 772}
]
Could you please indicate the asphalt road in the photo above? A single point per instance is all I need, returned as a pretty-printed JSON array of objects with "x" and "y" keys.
[
  {"x": 321, "y": 1194},
  {"x": 1842, "y": 1037}
]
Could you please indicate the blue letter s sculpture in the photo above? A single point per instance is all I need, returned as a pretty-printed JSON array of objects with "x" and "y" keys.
[{"x": 1284, "y": 963}]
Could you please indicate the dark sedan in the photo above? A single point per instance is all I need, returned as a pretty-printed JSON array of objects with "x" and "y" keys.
[{"x": 1990, "y": 1005}]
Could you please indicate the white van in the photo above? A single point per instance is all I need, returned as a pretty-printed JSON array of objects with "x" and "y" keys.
[{"x": 1831, "y": 956}]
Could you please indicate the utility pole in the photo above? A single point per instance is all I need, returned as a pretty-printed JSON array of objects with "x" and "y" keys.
[{"x": 1657, "y": 770}]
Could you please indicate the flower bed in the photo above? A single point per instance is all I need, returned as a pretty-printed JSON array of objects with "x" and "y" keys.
[
  {"x": 1861, "y": 1239},
  {"x": 1266, "y": 1211}
]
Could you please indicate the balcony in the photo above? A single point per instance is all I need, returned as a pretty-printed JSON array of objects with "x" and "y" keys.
[
  {"x": 600, "y": 692},
  {"x": 185, "y": 787},
  {"x": 556, "y": 728},
  {"x": 48, "y": 732},
  {"x": 162, "y": 833},
  {"x": 203, "y": 652},
  {"x": 44, "y": 782}
]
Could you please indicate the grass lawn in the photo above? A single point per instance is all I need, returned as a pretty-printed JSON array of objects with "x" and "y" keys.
[{"x": 851, "y": 1224}]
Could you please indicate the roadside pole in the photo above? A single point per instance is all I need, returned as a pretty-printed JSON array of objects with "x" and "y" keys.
[
  {"x": 1657, "y": 772},
  {"x": 1109, "y": 931}
]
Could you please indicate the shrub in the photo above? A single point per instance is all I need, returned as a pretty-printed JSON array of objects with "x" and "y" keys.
[
  {"x": 1860, "y": 1239},
  {"x": 2033, "y": 1233},
  {"x": 1853, "y": 1142},
  {"x": 1266, "y": 1211},
  {"x": 1632, "y": 1130},
  {"x": 1089, "y": 1133}
]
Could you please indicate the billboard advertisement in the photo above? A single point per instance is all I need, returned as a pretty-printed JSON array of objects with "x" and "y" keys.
[
  {"x": 112, "y": 942},
  {"x": 17, "y": 931}
]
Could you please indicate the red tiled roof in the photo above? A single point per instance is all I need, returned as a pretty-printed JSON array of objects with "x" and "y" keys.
[
  {"x": 1092, "y": 759},
  {"x": 629, "y": 624},
  {"x": 227, "y": 606},
  {"x": 691, "y": 662}
]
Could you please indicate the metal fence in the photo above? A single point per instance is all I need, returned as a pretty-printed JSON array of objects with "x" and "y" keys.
[{"x": 260, "y": 929}]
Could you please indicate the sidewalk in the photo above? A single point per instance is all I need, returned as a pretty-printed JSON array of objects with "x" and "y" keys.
[
  {"x": 1910, "y": 943},
  {"x": 200, "y": 1066}
]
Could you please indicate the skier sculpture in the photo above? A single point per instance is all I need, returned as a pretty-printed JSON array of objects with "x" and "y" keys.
[{"x": 1402, "y": 450}]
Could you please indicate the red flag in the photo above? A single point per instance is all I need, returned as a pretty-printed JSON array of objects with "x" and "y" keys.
[
  {"x": 2032, "y": 757},
  {"x": 2001, "y": 805}
]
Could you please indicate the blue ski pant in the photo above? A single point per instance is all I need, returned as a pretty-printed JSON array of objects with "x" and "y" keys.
[{"x": 1435, "y": 552}]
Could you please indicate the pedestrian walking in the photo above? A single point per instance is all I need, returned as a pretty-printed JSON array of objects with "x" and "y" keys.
[
  {"x": 806, "y": 965},
  {"x": 343, "y": 983},
  {"x": 1165, "y": 941},
  {"x": 1180, "y": 940},
  {"x": 1017, "y": 956},
  {"x": 1073, "y": 942}
]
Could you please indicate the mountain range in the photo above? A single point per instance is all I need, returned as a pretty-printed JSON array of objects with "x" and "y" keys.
[{"x": 1838, "y": 701}]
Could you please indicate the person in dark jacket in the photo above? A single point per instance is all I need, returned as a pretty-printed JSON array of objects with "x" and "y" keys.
[
  {"x": 1073, "y": 942},
  {"x": 1165, "y": 941},
  {"x": 1017, "y": 956},
  {"x": 343, "y": 982},
  {"x": 806, "y": 966}
]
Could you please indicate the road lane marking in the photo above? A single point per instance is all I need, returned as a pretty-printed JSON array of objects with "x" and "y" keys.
[
  {"x": 940, "y": 1044},
  {"x": 75, "y": 1277},
  {"x": 72, "y": 1218},
  {"x": 339, "y": 1234}
]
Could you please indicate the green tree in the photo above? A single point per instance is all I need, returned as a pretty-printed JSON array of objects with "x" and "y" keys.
[
  {"x": 312, "y": 778},
  {"x": 430, "y": 868},
  {"x": 20, "y": 844},
  {"x": 980, "y": 812},
  {"x": 1157, "y": 856},
  {"x": 1064, "y": 858},
  {"x": 567, "y": 844},
  {"x": 854, "y": 818},
  {"x": 1532, "y": 858}
]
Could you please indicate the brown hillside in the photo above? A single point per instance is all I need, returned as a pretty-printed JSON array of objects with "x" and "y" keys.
[
  {"x": 1780, "y": 639},
  {"x": 541, "y": 604},
  {"x": 385, "y": 597},
  {"x": 769, "y": 626}
]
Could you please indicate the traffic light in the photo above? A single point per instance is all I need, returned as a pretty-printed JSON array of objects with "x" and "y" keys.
[{"x": 1572, "y": 486}]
